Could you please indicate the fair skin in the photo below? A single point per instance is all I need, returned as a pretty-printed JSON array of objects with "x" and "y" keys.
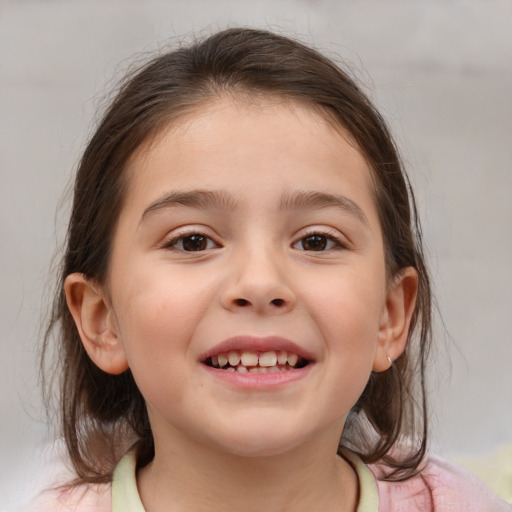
[{"x": 248, "y": 230}]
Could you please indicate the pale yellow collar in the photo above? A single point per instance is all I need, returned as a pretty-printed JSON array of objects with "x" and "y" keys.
[
  {"x": 368, "y": 493},
  {"x": 125, "y": 496}
]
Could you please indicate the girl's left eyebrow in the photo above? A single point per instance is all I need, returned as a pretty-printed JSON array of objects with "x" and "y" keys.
[{"x": 317, "y": 200}]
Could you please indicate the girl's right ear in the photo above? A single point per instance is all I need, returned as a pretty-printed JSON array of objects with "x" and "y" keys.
[{"x": 96, "y": 324}]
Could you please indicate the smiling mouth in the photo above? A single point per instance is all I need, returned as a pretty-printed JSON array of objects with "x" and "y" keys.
[{"x": 247, "y": 361}]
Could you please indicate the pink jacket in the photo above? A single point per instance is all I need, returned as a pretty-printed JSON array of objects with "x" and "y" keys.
[{"x": 440, "y": 487}]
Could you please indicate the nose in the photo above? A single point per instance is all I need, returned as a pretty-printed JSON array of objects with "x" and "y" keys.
[{"x": 258, "y": 282}]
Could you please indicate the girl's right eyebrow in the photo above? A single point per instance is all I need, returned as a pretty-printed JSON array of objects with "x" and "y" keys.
[{"x": 204, "y": 199}]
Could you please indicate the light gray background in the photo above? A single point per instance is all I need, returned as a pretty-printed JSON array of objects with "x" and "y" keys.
[{"x": 441, "y": 73}]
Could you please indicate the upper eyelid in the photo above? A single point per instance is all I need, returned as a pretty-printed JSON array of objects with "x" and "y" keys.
[
  {"x": 339, "y": 243},
  {"x": 180, "y": 233},
  {"x": 328, "y": 232},
  {"x": 191, "y": 229}
]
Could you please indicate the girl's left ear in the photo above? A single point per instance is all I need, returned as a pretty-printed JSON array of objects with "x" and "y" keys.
[{"x": 396, "y": 318}]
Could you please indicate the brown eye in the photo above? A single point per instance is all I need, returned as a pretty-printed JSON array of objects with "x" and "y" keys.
[
  {"x": 314, "y": 243},
  {"x": 195, "y": 242},
  {"x": 318, "y": 242}
]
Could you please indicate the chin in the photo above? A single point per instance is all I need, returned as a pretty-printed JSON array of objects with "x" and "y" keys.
[
  {"x": 260, "y": 440},
  {"x": 258, "y": 448}
]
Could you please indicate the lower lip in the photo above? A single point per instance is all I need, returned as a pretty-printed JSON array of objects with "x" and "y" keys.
[{"x": 258, "y": 381}]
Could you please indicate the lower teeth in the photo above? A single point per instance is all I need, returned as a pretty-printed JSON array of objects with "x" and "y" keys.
[{"x": 257, "y": 369}]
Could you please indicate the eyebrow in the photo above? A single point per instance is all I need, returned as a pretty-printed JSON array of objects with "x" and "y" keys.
[
  {"x": 216, "y": 199},
  {"x": 204, "y": 199},
  {"x": 318, "y": 200}
]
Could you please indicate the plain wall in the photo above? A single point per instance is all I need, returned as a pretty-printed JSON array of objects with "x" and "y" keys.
[{"x": 441, "y": 73}]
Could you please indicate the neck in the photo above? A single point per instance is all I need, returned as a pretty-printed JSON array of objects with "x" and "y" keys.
[{"x": 194, "y": 477}]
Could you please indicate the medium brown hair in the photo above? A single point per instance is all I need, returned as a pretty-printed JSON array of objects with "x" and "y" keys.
[{"x": 100, "y": 413}]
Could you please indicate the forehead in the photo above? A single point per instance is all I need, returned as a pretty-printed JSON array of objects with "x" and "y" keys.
[
  {"x": 231, "y": 142},
  {"x": 243, "y": 108}
]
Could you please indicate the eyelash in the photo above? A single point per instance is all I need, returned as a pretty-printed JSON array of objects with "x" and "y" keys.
[
  {"x": 181, "y": 237},
  {"x": 326, "y": 236},
  {"x": 323, "y": 238}
]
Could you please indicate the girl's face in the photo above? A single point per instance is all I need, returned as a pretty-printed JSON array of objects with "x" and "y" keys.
[{"x": 250, "y": 234}]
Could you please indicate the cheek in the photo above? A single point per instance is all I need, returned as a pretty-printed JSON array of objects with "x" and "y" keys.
[
  {"x": 156, "y": 328},
  {"x": 156, "y": 315},
  {"x": 349, "y": 308},
  {"x": 348, "y": 315}
]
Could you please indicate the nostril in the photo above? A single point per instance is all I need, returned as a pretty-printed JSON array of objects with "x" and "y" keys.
[{"x": 279, "y": 303}]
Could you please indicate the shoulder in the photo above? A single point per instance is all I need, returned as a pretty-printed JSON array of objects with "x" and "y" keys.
[{"x": 440, "y": 486}]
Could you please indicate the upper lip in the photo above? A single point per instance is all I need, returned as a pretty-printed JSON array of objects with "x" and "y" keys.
[{"x": 256, "y": 344}]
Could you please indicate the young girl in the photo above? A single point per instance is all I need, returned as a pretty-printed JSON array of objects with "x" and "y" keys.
[{"x": 244, "y": 314}]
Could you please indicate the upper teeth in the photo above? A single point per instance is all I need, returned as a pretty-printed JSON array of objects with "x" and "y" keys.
[{"x": 247, "y": 360}]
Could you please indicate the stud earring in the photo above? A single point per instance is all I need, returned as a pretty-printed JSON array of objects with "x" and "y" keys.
[{"x": 390, "y": 362}]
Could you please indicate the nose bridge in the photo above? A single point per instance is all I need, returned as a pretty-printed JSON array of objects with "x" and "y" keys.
[{"x": 258, "y": 278}]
